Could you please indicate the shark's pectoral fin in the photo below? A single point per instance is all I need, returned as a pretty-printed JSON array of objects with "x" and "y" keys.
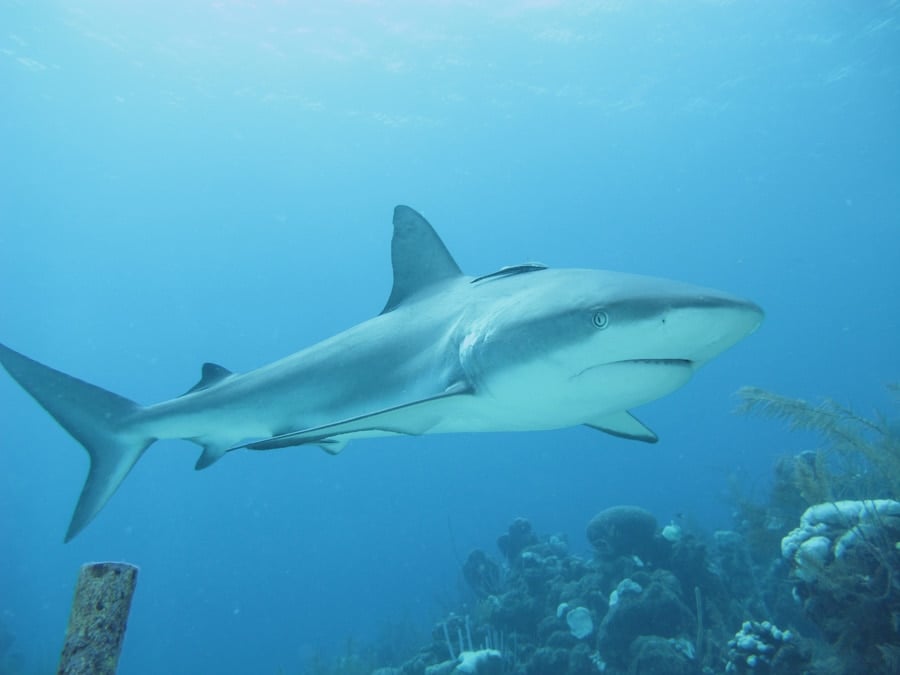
[
  {"x": 412, "y": 419},
  {"x": 624, "y": 425}
]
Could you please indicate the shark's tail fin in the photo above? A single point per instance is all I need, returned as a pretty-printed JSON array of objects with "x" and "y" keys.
[{"x": 98, "y": 419}]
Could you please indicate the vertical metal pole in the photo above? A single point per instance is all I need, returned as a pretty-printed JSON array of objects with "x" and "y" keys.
[{"x": 98, "y": 619}]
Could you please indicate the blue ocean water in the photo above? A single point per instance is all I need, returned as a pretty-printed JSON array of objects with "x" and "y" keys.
[{"x": 190, "y": 182}]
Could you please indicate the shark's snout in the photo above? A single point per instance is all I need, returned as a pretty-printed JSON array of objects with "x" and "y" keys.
[
  {"x": 714, "y": 325},
  {"x": 742, "y": 317}
]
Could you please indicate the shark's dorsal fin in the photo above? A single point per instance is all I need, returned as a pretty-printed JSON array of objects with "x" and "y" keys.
[
  {"x": 210, "y": 374},
  {"x": 418, "y": 255}
]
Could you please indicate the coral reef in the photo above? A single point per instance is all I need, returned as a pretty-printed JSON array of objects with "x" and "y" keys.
[
  {"x": 645, "y": 603},
  {"x": 688, "y": 607},
  {"x": 761, "y": 647},
  {"x": 843, "y": 559},
  {"x": 807, "y": 582},
  {"x": 845, "y": 566}
]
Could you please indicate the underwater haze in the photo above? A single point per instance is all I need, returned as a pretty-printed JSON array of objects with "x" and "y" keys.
[{"x": 185, "y": 182}]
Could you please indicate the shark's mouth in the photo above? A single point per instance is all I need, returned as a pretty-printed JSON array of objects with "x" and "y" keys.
[
  {"x": 678, "y": 363},
  {"x": 656, "y": 362}
]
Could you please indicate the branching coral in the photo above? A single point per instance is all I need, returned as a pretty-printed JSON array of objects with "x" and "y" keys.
[{"x": 859, "y": 457}]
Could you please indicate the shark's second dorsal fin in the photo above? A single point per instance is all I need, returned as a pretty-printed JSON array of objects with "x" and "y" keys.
[
  {"x": 210, "y": 374},
  {"x": 419, "y": 257}
]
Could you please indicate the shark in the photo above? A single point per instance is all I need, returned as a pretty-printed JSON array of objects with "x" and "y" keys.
[{"x": 524, "y": 348}]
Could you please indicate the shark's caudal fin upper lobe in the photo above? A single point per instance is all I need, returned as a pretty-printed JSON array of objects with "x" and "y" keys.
[{"x": 96, "y": 418}]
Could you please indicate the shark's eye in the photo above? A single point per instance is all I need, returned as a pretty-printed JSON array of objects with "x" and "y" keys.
[{"x": 600, "y": 319}]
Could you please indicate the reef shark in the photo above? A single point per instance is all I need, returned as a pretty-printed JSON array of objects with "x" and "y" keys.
[{"x": 523, "y": 348}]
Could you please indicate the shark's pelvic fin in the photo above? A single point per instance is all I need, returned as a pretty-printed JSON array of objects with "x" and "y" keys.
[
  {"x": 213, "y": 451},
  {"x": 333, "y": 446},
  {"x": 210, "y": 375},
  {"x": 413, "y": 419},
  {"x": 624, "y": 425},
  {"x": 418, "y": 255},
  {"x": 96, "y": 418}
]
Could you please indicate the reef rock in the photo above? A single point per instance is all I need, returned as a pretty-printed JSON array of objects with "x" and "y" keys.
[
  {"x": 481, "y": 662},
  {"x": 549, "y": 661},
  {"x": 829, "y": 531},
  {"x": 622, "y": 530},
  {"x": 581, "y": 625},
  {"x": 518, "y": 537},
  {"x": 655, "y": 609},
  {"x": 654, "y": 655},
  {"x": 482, "y": 574},
  {"x": 761, "y": 647}
]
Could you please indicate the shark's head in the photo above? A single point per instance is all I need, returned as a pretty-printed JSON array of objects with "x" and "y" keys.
[{"x": 593, "y": 341}]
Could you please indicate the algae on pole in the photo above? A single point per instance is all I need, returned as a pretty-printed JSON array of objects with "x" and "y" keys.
[{"x": 98, "y": 619}]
